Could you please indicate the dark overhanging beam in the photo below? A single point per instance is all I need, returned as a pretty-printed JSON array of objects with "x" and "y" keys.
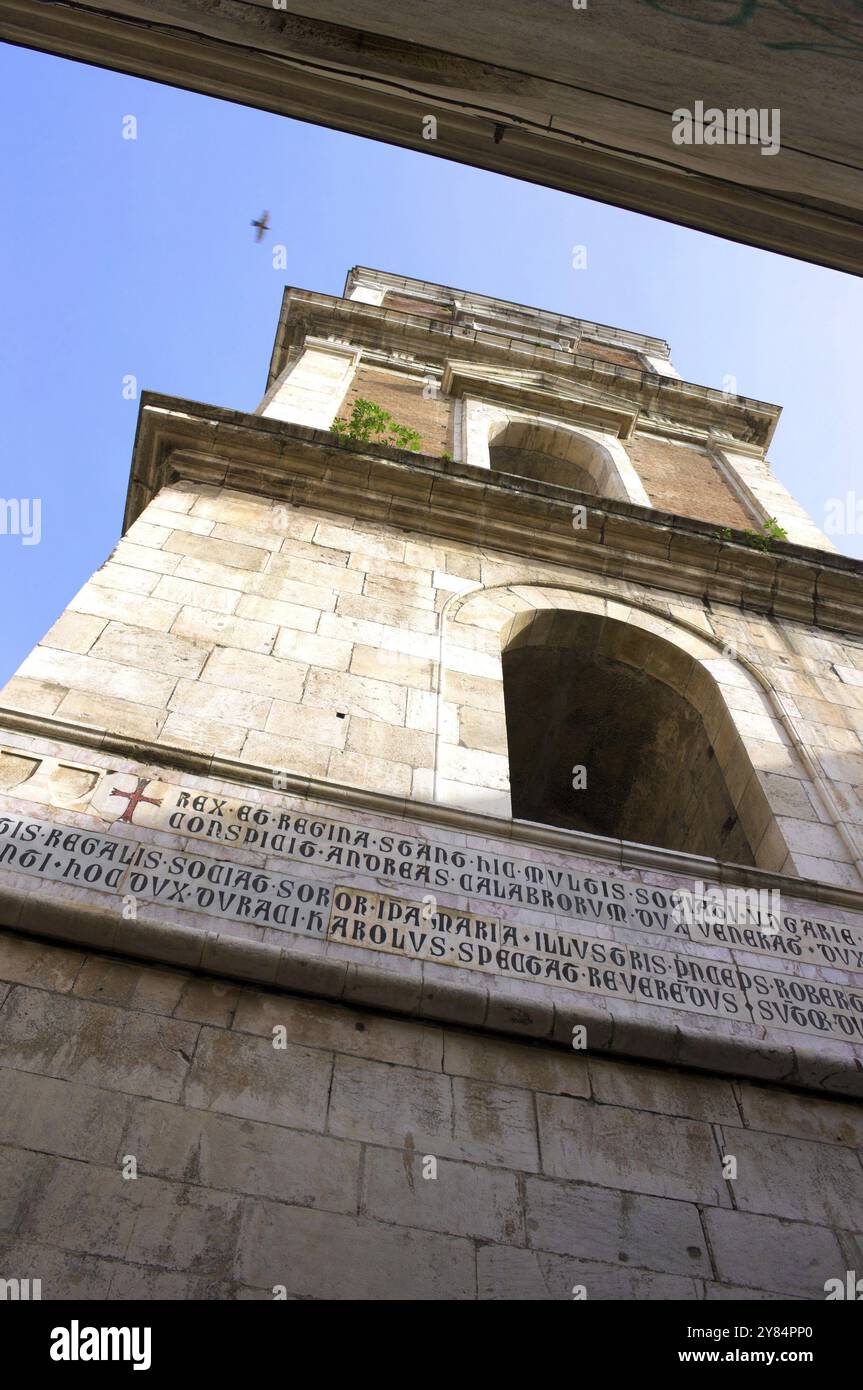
[{"x": 546, "y": 129}]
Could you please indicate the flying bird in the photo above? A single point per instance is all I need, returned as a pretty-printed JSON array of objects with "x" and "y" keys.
[{"x": 263, "y": 225}]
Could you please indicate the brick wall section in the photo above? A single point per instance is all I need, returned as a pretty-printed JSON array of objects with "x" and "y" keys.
[
  {"x": 622, "y": 357},
  {"x": 302, "y": 1167},
  {"x": 685, "y": 481},
  {"x": 403, "y": 397},
  {"x": 422, "y": 308}
]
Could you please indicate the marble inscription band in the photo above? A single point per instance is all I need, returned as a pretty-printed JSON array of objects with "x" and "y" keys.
[
  {"x": 421, "y": 930},
  {"x": 322, "y": 842}
]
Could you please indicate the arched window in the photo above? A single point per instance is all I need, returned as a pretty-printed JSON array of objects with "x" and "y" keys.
[
  {"x": 575, "y": 455},
  {"x": 560, "y": 456},
  {"x": 586, "y": 692}
]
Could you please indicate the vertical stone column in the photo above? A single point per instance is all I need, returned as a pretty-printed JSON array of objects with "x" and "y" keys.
[{"x": 311, "y": 390}]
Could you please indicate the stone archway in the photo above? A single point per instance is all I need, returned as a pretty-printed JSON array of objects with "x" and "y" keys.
[
  {"x": 742, "y": 722},
  {"x": 548, "y": 450},
  {"x": 603, "y": 739}
]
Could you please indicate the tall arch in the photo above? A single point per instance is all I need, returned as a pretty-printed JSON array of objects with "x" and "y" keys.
[
  {"x": 603, "y": 738},
  {"x": 755, "y": 751}
]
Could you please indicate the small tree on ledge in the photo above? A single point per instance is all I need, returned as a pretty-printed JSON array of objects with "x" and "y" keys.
[{"x": 369, "y": 421}]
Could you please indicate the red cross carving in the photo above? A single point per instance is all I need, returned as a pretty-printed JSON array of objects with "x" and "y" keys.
[{"x": 135, "y": 798}]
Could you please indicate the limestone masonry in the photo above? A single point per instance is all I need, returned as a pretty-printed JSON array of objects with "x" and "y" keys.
[{"x": 499, "y": 803}]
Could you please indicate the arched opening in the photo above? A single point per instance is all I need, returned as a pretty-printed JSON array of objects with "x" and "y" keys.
[
  {"x": 558, "y": 455},
  {"x": 586, "y": 692}
]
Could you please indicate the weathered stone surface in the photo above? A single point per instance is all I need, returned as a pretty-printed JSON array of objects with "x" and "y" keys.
[
  {"x": 787, "y": 1257},
  {"x": 319, "y": 1255},
  {"x": 301, "y": 722},
  {"x": 663, "y": 1091},
  {"x": 94, "y": 676},
  {"x": 275, "y": 750},
  {"x": 220, "y": 552},
  {"x": 311, "y": 1023},
  {"x": 257, "y": 674},
  {"x": 618, "y": 1147},
  {"x": 513, "y": 1064},
  {"x": 806, "y": 1116},
  {"x": 514, "y": 1275},
  {"x": 494, "y": 1124},
  {"x": 183, "y": 731},
  {"x": 120, "y": 716},
  {"x": 326, "y": 652},
  {"x": 136, "y": 987},
  {"x": 462, "y": 1199},
  {"x": 207, "y": 628},
  {"x": 247, "y": 1076},
  {"x": 796, "y": 1178},
  {"x": 96, "y": 1211},
  {"x": 63, "y": 1274},
  {"x": 300, "y": 617},
  {"x": 38, "y": 696},
  {"x": 362, "y": 770},
  {"x": 61, "y": 1117},
  {"x": 371, "y": 738},
  {"x": 382, "y": 1104},
  {"x": 356, "y": 695},
  {"x": 74, "y": 632},
  {"x": 615, "y": 1227},
  {"x": 243, "y": 1156},
  {"x": 227, "y": 706},
  {"x": 391, "y": 667},
  {"x": 190, "y": 592},
  {"x": 208, "y": 1001},
  {"x": 144, "y": 557},
  {"x": 29, "y": 962},
  {"x": 125, "y": 606},
  {"x": 75, "y": 1039}
]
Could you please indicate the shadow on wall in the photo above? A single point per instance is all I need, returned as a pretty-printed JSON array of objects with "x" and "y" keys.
[
  {"x": 560, "y": 456},
  {"x": 578, "y": 695}
]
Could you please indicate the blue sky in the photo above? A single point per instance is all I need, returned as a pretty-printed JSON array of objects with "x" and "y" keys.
[{"x": 135, "y": 257}]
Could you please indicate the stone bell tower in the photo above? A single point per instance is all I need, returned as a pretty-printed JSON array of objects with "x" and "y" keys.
[{"x": 440, "y": 869}]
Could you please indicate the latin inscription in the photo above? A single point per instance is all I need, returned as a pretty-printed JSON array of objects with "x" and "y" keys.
[
  {"x": 611, "y": 969},
  {"x": 427, "y": 865},
  {"x": 424, "y": 929}
]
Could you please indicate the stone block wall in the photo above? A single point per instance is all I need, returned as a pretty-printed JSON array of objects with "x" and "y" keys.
[
  {"x": 371, "y": 656},
  {"x": 302, "y": 1166}
]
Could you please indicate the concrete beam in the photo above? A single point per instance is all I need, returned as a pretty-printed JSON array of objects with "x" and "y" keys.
[{"x": 579, "y": 100}]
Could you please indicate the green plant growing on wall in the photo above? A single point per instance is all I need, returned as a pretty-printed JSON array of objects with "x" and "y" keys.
[
  {"x": 368, "y": 422},
  {"x": 759, "y": 540}
]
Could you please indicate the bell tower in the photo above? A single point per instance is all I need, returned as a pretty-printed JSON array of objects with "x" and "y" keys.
[{"x": 432, "y": 843}]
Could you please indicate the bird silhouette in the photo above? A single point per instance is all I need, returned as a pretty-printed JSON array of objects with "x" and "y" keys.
[{"x": 263, "y": 225}]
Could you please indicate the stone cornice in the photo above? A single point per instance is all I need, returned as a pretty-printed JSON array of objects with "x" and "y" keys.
[
  {"x": 497, "y": 385},
  {"x": 179, "y": 439},
  {"x": 435, "y": 342},
  {"x": 545, "y": 319}
]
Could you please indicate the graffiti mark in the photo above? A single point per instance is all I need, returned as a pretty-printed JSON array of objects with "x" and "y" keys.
[{"x": 807, "y": 32}]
